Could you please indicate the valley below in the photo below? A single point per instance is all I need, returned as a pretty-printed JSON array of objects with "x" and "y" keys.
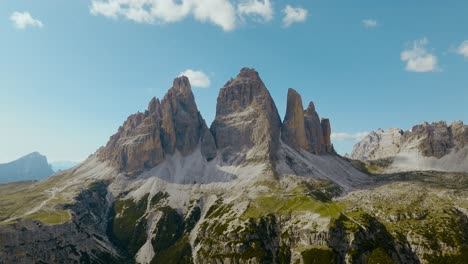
[{"x": 412, "y": 217}]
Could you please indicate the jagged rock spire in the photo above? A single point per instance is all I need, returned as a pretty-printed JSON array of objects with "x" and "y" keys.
[
  {"x": 302, "y": 129},
  {"x": 293, "y": 131},
  {"x": 247, "y": 126},
  {"x": 315, "y": 137},
  {"x": 247, "y": 119},
  {"x": 174, "y": 124}
]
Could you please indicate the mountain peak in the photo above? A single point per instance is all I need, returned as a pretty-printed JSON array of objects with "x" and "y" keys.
[
  {"x": 310, "y": 107},
  {"x": 245, "y": 75},
  {"x": 246, "y": 117},
  {"x": 293, "y": 129},
  {"x": 153, "y": 104},
  {"x": 248, "y": 73},
  {"x": 302, "y": 129},
  {"x": 182, "y": 84},
  {"x": 247, "y": 126},
  {"x": 32, "y": 166},
  {"x": 173, "y": 124},
  {"x": 34, "y": 154}
]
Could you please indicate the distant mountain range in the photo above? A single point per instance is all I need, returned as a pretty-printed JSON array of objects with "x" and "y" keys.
[
  {"x": 33, "y": 166},
  {"x": 438, "y": 146}
]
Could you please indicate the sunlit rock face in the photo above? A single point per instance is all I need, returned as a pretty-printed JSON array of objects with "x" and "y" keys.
[
  {"x": 436, "y": 146},
  {"x": 247, "y": 119},
  {"x": 303, "y": 129},
  {"x": 174, "y": 124}
]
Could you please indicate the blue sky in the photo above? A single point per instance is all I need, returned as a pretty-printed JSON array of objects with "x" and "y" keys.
[{"x": 71, "y": 72}]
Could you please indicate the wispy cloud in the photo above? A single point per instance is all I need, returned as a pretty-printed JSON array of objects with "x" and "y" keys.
[
  {"x": 22, "y": 20},
  {"x": 348, "y": 136},
  {"x": 219, "y": 12},
  {"x": 370, "y": 23},
  {"x": 197, "y": 78},
  {"x": 463, "y": 49},
  {"x": 223, "y": 13},
  {"x": 256, "y": 8},
  {"x": 418, "y": 59},
  {"x": 294, "y": 15}
]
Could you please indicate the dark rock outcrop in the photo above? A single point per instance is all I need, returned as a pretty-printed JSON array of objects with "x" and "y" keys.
[
  {"x": 326, "y": 130},
  {"x": 436, "y": 138},
  {"x": 293, "y": 131},
  {"x": 247, "y": 119},
  {"x": 174, "y": 124},
  {"x": 302, "y": 129},
  {"x": 314, "y": 130}
]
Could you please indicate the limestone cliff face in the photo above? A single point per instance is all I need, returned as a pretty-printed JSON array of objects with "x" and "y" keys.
[
  {"x": 293, "y": 131},
  {"x": 247, "y": 126},
  {"x": 246, "y": 119},
  {"x": 326, "y": 130},
  {"x": 316, "y": 143},
  {"x": 435, "y": 146},
  {"x": 302, "y": 129},
  {"x": 435, "y": 140},
  {"x": 174, "y": 124}
]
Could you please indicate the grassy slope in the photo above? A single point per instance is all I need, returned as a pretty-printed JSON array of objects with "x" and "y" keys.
[{"x": 19, "y": 198}]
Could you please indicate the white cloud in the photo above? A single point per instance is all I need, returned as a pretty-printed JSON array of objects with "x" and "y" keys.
[
  {"x": 294, "y": 15},
  {"x": 219, "y": 12},
  {"x": 197, "y": 78},
  {"x": 463, "y": 49},
  {"x": 263, "y": 9},
  {"x": 418, "y": 59},
  {"x": 348, "y": 136},
  {"x": 22, "y": 20},
  {"x": 370, "y": 23}
]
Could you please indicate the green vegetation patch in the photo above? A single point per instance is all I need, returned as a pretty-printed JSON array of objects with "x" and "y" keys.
[
  {"x": 192, "y": 218},
  {"x": 460, "y": 258},
  {"x": 18, "y": 198},
  {"x": 180, "y": 253},
  {"x": 318, "y": 255},
  {"x": 129, "y": 225},
  {"x": 285, "y": 204},
  {"x": 168, "y": 231},
  {"x": 56, "y": 217},
  {"x": 379, "y": 256},
  {"x": 158, "y": 199},
  {"x": 249, "y": 243}
]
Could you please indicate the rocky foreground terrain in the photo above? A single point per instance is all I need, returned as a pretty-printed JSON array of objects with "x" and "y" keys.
[
  {"x": 251, "y": 188},
  {"x": 435, "y": 146}
]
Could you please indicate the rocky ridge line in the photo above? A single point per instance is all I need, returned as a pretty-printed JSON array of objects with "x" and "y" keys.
[{"x": 247, "y": 126}]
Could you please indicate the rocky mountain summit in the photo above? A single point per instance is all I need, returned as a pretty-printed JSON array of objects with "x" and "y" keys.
[
  {"x": 247, "y": 126},
  {"x": 33, "y": 166},
  {"x": 249, "y": 189},
  {"x": 174, "y": 124},
  {"x": 435, "y": 146},
  {"x": 247, "y": 120}
]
